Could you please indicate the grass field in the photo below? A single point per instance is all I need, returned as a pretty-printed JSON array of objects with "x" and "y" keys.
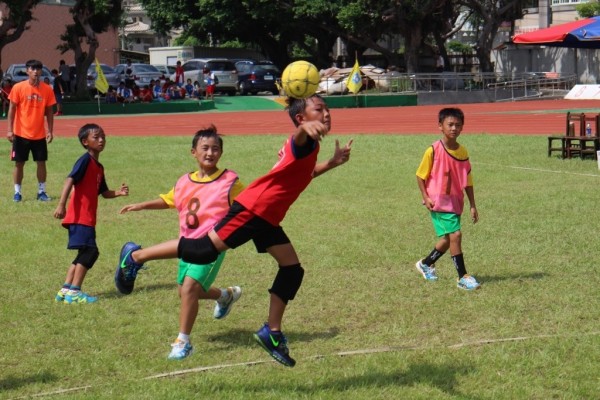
[{"x": 365, "y": 325}]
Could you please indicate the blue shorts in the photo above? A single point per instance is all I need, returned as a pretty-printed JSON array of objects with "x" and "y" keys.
[{"x": 81, "y": 236}]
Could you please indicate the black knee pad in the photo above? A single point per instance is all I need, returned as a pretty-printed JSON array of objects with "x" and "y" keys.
[
  {"x": 287, "y": 282},
  {"x": 197, "y": 251},
  {"x": 87, "y": 256}
]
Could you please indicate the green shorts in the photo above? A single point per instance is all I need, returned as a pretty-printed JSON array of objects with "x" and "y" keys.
[
  {"x": 204, "y": 274},
  {"x": 445, "y": 223}
]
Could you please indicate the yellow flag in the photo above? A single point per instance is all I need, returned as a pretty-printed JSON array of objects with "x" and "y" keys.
[
  {"x": 354, "y": 82},
  {"x": 101, "y": 82}
]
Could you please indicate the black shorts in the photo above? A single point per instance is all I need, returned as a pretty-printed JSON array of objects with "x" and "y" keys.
[
  {"x": 21, "y": 148},
  {"x": 240, "y": 225}
]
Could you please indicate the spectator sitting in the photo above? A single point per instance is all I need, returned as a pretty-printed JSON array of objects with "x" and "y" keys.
[
  {"x": 111, "y": 95},
  {"x": 124, "y": 94},
  {"x": 167, "y": 85},
  {"x": 174, "y": 93},
  {"x": 146, "y": 94},
  {"x": 197, "y": 93},
  {"x": 157, "y": 92},
  {"x": 135, "y": 92},
  {"x": 189, "y": 88}
]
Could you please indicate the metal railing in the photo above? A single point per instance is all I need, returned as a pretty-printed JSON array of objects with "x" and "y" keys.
[{"x": 503, "y": 87}]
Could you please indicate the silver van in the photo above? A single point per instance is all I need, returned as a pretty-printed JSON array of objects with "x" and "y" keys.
[{"x": 223, "y": 69}]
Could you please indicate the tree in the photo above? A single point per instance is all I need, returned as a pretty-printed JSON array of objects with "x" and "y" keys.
[
  {"x": 15, "y": 18},
  {"x": 90, "y": 17},
  {"x": 487, "y": 17}
]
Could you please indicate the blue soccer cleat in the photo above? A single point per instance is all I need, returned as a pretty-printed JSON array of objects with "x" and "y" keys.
[
  {"x": 468, "y": 282},
  {"x": 127, "y": 269},
  {"x": 275, "y": 344},
  {"x": 427, "y": 271},
  {"x": 79, "y": 298},
  {"x": 180, "y": 350},
  {"x": 222, "y": 309}
]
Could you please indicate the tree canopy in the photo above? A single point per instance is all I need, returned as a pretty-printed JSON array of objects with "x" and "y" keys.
[{"x": 15, "y": 19}]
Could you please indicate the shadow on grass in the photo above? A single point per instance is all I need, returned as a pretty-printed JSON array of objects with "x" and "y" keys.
[
  {"x": 515, "y": 277},
  {"x": 444, "y": 378},
  {"x": 16, "y": 382},
  {"x": 113, "y": 294},
  {"x": 242, "y": 336}
]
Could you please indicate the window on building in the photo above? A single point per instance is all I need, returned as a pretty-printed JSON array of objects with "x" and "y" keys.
[{"x": 566, "y": 2}]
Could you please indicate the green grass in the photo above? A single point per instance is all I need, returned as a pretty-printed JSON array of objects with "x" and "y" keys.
[{"x": 364, "y": 325}]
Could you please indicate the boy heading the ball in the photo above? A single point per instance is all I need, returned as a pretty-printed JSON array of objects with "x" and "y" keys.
[
  {"x": 443, "y": 176},
  {"x": 256, "y": 215}
]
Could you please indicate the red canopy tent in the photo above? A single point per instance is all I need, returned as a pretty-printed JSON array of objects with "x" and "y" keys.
[{"x": 583, "y": 34}]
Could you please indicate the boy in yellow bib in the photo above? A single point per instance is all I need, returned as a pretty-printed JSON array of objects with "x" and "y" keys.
[
  {"x": 443, "y": 177},
  {"x": 201, "y": 198}
]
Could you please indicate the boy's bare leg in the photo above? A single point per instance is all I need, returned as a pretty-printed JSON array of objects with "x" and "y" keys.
[{"x": 159, "y": 251}]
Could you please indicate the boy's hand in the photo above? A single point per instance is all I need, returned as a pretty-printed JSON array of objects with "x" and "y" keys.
[
  {"x": 474, "y": 215},
  {"x": 314, "y": 129},
  {"x": 123, "y": 191},
  {"x": 341, "y": 154},
  {"x": 60, "y": 212},
  {"x": 130, "y": 207}
]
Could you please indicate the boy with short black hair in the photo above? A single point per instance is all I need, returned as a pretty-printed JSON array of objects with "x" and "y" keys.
[
  {"x": 443, "y": 176},
  {"x": 256, "y": 215},
  {"x": 201, "y": 198},
  {"x": 87, "y": 182}
]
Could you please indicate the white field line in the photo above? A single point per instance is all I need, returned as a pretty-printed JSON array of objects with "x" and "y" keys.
[
  {"x": 387, "y": 349},
  {"x": 550, "y": 171}
]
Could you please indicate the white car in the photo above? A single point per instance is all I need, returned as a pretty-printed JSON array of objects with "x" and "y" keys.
[{"x": 224, "y": 70}]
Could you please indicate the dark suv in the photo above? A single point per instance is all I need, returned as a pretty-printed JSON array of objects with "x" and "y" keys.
[
  {"x": 223, "y": 69},
  {"x": 257, "y": 76}
]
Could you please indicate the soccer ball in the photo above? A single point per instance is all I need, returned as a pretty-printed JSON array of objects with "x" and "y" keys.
[{"x": 300, "y": 79}]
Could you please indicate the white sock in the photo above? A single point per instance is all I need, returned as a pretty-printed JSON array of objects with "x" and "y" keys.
[
  {"x": 183, "y": 337},
  {"x": 41, "y": 187},
  {"x": 224, "y": 296},
  {"x": 17, "y": 188}
]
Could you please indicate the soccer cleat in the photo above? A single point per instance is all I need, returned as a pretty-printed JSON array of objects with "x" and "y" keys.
[
  {"x": 79, "y": 298},
  {"x": 60, "y": 296},
  {"x": 427, "y": 271},
  {"x": 180, "y": 350},
  {"x": 468, "y": 282},
  {"x": 127, "y": 269},
  {"x": 222, "y": 309},
  {"x": 275, "y": 344},
  {"x": 17, "y": 197},
  {"x": 42, "y": 196}
]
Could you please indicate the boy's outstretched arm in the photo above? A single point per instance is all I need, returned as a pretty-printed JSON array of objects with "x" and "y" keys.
[
  {"x": 111, "y": 194},
  {"x": 341, "y": 155},
  {"x": 156, "y": 204}
]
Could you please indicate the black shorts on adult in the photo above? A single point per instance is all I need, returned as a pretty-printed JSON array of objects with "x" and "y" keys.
[
  {"x": 241, "y": 225},
  {"x": 21, "y": 148}
]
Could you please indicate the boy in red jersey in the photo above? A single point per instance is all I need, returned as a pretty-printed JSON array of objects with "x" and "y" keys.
[
  {"x": 444, "y": 175},
  {"x": 87, "y": 181},
  {"x": 256, "y": 215},
  {"x": 201, "y": 198}
]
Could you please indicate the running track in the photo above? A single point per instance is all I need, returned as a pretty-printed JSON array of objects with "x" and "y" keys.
[{"x": 541, "y": 117}]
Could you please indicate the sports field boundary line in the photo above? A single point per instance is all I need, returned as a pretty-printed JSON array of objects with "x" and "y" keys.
[
  {"x": 537, "y": 169},
  {"x": 349, "y": 353}
]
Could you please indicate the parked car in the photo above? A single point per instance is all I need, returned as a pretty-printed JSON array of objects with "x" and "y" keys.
[
  {"x": 166, "y": 70},
  {"x": 142, "y": 73},
  {"x": 111, "y": 75},
  {"x": 257, "y": 76},
  {"x": 223, "y": 69},
  {"x": 18, "y": 72}
]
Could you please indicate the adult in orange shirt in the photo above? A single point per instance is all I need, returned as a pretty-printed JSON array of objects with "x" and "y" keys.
[{"x": 30, "y": 101}]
